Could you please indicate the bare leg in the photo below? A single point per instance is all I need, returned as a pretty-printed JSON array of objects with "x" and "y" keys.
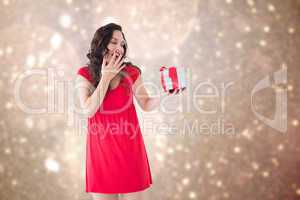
[
  {"x": 132, "y": 196},
  {"x": 98, "y": 196}
]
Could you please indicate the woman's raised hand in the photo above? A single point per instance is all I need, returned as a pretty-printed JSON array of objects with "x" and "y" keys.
[{"x": 111, "y": 69}]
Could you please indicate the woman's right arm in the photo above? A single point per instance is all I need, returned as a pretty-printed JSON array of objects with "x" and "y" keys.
[{"x": 89, "y": 97}]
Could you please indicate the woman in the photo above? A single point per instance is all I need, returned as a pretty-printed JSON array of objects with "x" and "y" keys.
[{"x": 116, "y": 159}]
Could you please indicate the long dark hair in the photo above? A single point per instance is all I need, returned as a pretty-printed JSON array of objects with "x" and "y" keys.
[{"x": 98, "y": 49}]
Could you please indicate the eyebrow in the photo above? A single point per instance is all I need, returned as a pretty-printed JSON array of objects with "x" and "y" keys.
[{"x": 117, "y": 39}]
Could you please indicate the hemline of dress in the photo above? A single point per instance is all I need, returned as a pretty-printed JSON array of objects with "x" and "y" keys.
[{"x": 120, "y": 192}]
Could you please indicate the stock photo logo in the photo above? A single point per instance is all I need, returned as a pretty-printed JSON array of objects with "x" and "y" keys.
[
  {"x": 56, "y": 94},
  {"x": 279, "y": 122}
]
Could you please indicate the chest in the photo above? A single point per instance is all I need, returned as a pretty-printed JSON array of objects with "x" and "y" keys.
[{"x": 114, "y": 83}]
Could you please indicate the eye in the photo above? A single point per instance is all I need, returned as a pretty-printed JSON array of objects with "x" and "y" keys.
[{"x": 115, "y": 43}]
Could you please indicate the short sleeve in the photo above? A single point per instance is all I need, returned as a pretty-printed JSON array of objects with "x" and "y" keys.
[
  {"x": 84, "y": 71},
  {"x": 135, "y": 73}
]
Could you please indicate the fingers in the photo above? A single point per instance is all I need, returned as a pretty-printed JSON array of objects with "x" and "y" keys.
[
  {"x": 112, "y": 60},
  {"x": 120, "y": 63},
  {"x": 117, "y": 60},
  {"x": 104, "y": 62},
  {"x": 121, "y": 68}
]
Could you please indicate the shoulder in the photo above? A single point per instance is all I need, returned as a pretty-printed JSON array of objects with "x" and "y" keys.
[
  {"x": 83, "y": 69},
  {"x": 85, "y": 72},
  {"x": 132, "y": 68}
]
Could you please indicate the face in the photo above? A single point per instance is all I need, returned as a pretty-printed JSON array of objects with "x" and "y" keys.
[{"x": 116, "y": 44}]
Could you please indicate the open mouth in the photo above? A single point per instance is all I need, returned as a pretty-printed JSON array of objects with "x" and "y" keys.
[{"x": 117, "y": 54}]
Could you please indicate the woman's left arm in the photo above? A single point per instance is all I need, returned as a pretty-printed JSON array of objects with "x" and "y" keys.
[{"x": 146, "y": 102}]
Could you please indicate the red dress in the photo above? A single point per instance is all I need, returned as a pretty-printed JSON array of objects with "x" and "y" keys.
[{"x": 116, "y": 157}]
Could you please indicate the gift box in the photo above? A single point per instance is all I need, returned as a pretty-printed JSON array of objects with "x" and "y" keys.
[{"x": 173, "y": 78}]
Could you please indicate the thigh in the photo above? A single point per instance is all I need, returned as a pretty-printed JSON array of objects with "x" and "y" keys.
[{"x": 99, "y": 196}]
